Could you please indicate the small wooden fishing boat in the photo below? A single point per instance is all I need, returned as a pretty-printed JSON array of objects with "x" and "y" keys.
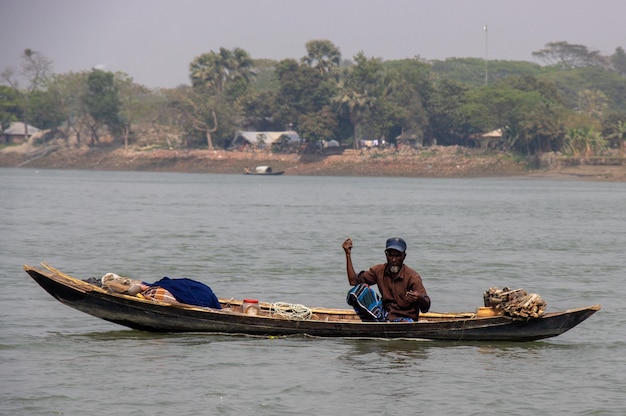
[
  {"x": 285, "y": 319},
  {"x": 263, "y": 170}
]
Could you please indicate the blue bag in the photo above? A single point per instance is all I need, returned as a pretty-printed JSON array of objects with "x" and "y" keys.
[
  {"x": 190, "y": 292},
  {"x": 366, "y": 303}
]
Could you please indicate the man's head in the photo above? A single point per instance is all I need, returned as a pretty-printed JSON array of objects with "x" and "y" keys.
[{"x": 395, "y": 250}]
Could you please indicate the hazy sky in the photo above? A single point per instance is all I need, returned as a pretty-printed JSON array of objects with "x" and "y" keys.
[{"x": 155, "y": 40}]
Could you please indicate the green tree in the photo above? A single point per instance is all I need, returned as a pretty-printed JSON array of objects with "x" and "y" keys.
[
  {"x": 68, "y": 90},
  {"x": 198, "y": 108},
  {"x": 219, "y": 80},
  {"x": 541, "y": 127},
  {"x": 359, "y": 92},
  {"x": 592, "y": 102},
  {"x": 202, "y": 113},
  {"x": 214, "y": 70},
  {"x": 446, "y": 122},
  {"x": 356, "y": 106},
  {"x": 322, "y": 55},
  {"x": 618, "y": 61},
  {"x": 35, "y": 69},
  {"x": 211, "y": 70},
  {"x": 135, "y": 104},
  {"x": 471, "y": 71},
  {"x": 494, "y": 107},
  {"x": 258, "y": 108},
  {"x": 546, "y": 88},
  {"x": 565, "y": 55},
  {"x": 10, "y": 109},
  {"x": 296, "y": 94},
  {"x": 572, "y": 82},
  {"x": 584, "y": 141},
  {"x": 45, "y": 111},
  {"x": 615, "y": 131},
  {"x": 103, "y": 103},
  {"x": 320, "y": 125},
  {"x": 242, "y": 75},
  {"x": 407, "y": 85},
  {"x": 303, "y": 95},
  {"x": 530, "y": 122}
]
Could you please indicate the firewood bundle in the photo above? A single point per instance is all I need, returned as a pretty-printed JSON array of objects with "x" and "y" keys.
[{"x": 515, "y": 303}]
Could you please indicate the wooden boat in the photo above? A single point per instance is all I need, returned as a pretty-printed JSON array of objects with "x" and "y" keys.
[
  {"x": 263, "y": 170},
  {"x": 148, "y": 315}
]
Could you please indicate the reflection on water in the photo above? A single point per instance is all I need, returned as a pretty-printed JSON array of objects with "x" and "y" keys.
[{"x": 380, "y": 357}]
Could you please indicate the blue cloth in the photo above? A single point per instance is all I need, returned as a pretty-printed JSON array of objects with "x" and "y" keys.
[
  {"x": 403, "y": 320},
  {"x": 367, "y": 304},
  {"x": 189, "y": 291}
]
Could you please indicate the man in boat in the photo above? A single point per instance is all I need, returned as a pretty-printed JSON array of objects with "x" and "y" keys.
[{"x": 401, "y": 288}]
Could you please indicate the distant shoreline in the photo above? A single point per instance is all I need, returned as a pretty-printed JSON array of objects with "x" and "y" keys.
[{"x": 433, "y": 162}]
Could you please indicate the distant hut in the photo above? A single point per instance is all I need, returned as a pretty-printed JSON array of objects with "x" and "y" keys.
[
  {"x": 18, "y": 132},
  {"x": 490, "y": 140},
  {"x": 266, "y": 139},
  {"x": 410, "y": 138}
]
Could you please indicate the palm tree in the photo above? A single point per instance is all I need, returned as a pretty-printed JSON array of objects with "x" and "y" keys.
[
  {"x": 322, "y": 55},
  {"x": 354, "y": 105},
  {"x": 202, "y": 71},
  {"x": 214, "y": 70},
  {"x": 618, "y": 134},
  {"x": 210, "y": 73},
  {"x": 585, "y": 140},
  {"x": 242, "y": 66}
]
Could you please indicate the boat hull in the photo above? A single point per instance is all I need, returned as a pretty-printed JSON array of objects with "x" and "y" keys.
[
  {"x": 265, "y": 173},
  {"x": 146, "y": 315}
]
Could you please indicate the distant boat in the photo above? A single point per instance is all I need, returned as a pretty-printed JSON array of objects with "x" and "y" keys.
[{"x": 263, "y": 170}]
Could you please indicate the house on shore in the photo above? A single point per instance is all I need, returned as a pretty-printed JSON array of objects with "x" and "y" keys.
[
  {"x": 489, "y": 140},
  {"x": 265, "y": 139},
  {"x": 17, "y": 133},
  {"x": 410, "y": 138}
]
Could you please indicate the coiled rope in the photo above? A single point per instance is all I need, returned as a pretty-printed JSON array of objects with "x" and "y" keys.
[{"x": 290, "y": 311}]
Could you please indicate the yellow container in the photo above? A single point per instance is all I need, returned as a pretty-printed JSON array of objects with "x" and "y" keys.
[{"x": 485, "y": 311}]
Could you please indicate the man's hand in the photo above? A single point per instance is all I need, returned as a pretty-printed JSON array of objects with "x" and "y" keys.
[
  {"x": 423, "y": 302},
  {"x": 347, "y": 246},
  {"x": 414, "y": 297}
]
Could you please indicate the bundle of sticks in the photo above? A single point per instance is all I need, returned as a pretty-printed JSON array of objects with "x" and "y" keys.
[{"x": 515, "y": 303}]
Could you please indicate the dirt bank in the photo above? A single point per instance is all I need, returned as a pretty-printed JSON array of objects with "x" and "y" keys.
[{"x": 434, "y": 162}]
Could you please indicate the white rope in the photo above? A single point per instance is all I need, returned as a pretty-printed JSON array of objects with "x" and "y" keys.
[{"x": 290, "y": 311}]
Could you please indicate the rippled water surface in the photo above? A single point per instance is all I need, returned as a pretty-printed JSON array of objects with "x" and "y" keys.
[{"x": 279, "y": 239}]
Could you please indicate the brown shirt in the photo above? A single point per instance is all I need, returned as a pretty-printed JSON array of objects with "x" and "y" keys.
[{"x": 393, "y": 290}]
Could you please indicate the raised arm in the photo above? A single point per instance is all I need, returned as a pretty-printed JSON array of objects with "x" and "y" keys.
[{"x": 347, "y": 248}]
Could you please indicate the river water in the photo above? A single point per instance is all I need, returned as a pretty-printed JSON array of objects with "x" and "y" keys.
[{"x": 279, "y": 239}]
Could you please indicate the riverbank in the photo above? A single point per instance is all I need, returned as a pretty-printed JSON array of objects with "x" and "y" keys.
[{"x": 433, "y": 162}]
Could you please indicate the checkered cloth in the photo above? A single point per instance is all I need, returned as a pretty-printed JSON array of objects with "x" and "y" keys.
[{"x": 159, "y": 294}]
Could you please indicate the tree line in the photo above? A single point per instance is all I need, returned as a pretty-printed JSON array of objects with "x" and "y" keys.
[{"x": 575, "y": 103}]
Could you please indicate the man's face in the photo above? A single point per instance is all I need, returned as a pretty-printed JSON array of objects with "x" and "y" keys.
[{"x": 395, "y": 259}]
